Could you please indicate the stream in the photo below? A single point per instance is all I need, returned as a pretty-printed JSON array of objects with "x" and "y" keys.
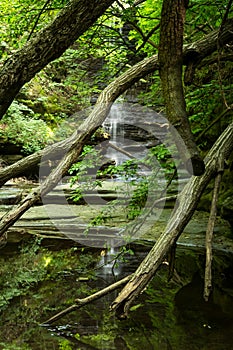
[
  {"x": 45, "y": 267},
  {"x": 168, "y": 315}
]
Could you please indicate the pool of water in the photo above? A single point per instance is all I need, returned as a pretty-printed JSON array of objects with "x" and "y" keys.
[{"x": 168, "y": 315}]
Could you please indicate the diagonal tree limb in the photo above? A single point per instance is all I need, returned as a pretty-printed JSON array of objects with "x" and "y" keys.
[
  {"x": 186, "y": 204},
  {"x": 81, "y": 302},
  {"x": 76, "y": 142},
  {"x": 138, "y": 281},
  {"x": 191, "y": 52},
  {"x": 88, "y": 127}
]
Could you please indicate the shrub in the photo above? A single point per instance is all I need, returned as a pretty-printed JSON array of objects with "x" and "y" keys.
[{"x": 22, "y": 127}]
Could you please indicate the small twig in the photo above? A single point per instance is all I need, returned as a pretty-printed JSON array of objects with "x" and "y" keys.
[
  {"x": 81, "y": 302},
  {"x": 145, "y": 38},
  {"x": 37, "y": 19},
  {"x": 229, "y": 108},
  {"x": 209, "y": 236}
]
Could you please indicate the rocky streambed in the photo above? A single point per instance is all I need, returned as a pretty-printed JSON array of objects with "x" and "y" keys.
[{"x": 57, "y": 217}]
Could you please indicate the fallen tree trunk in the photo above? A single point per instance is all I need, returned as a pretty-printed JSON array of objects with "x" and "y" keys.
[
  {"x": 194, "y": 52},
  {"x": 106, "y": 98},
  {"x": 186, "y": 204}
]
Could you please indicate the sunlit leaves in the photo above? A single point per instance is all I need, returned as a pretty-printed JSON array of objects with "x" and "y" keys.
[{"x": 20, "y": 18}]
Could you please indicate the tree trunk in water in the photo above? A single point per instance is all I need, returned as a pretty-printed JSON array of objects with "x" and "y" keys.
[
  {"x": 194, "y": 52},
  {"x": 170, "y": 66},
  {"x": 47, "y": 45},
  {"x": 186, "y": 204}
]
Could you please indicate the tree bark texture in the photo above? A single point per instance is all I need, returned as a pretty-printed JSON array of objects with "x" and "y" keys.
[
  {"x": 186, "y": 204},
  {"x": 47, "y": 45},
  {"x": 199, "y": 49},
  {"x": 170, "y": 67}
]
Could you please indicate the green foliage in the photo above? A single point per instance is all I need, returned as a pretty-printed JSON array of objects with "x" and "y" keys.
[
  {"x": 71, "y": 75},
  {"x": 81, "y": 172},
  {"x": 146, "y": 24},
  {"x": 20, "y": 18},
  {"x": 138, "y": 199},
  {"x": 163, "y": 155},
  {"x": 65, "y": 345},
  {"x": 206, "y": 103},
  {"x": 91, "y": 158},
  {"x": 25, "y": 272},
  {"x": 14, "y": 346},
  {"x": 34, "y": 264},
  {"x": 21, "y": 127},
  {"x": 133, "y": 199},
  {"x": 203, "y": 18}
]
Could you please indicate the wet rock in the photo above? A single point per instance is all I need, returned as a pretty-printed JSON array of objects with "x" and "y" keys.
[
  {"x": 10, "y": 198},
  {"x": 194, "y": 232}
]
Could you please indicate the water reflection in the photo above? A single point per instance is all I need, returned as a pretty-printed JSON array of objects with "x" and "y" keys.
[{"x": 168, "y": 315}]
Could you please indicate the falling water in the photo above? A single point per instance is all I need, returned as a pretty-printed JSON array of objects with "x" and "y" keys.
[
  {"x": 114, "y": 125},
  {"x": 120, "y": 121}
]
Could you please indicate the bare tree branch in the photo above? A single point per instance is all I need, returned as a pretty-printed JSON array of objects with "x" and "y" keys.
[
  {"x": 81, "y": 302},
  {"x": 210, "y": 233},
  {"x": 37, "y": 19}
]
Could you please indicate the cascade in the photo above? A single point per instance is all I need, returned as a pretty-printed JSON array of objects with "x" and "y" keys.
[{"x": 114, "y": 125}]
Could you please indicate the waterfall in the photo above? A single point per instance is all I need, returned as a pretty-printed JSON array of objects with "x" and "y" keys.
[{"x": 114, "y": 125}]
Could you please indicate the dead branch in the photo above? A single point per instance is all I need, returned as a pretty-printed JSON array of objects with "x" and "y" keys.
[
  {"x": 186, "y": 204},
  {"x": 81, "y": 302},
  {"x": 228, "y": 109},
  {"x": 209, "y": 235}
]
